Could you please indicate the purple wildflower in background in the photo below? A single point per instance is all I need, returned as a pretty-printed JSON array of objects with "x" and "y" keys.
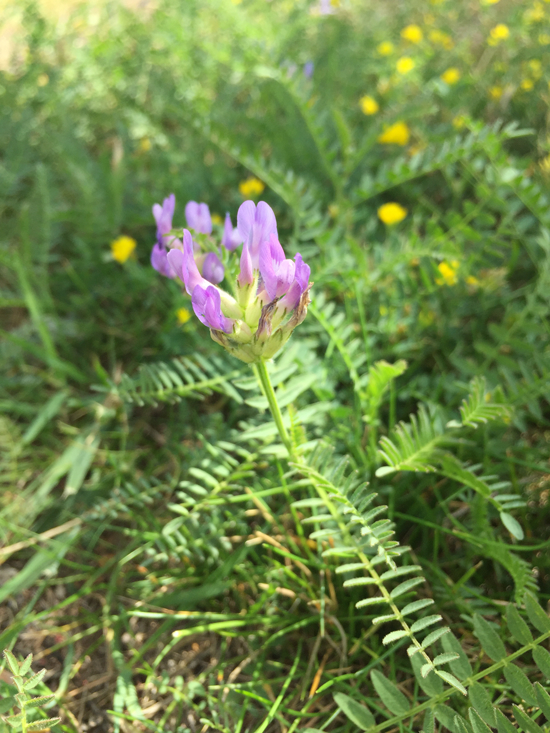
[
  {"x": 309, "y": 67},
  {"x": 198, "y": 217},
  {"x": 231, "y": 237},
  {"x": 159, "y": 260},
  {"x": 256, "y": 224},
  {"x": 325, "y": 7},
  {"x": 212, "y": 268},
  {"x": 163, "y": 217}
]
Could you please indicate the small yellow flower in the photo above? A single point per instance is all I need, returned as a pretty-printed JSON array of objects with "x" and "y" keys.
[
  {"x": 534, "y": 14},
  {"x": 545, "y": 165},
  {"x": 42, "y": 80},
  {"x": 122, "y": 248},
  {"x": 405, "y": 64},
  {"x": 216, "y": 219},
  {"x": 544, "y": 39},
  {"x": 495, "y": 92},
  {"x": 333, "y": 210},
  {"x": 252, "y": 187},
  {"x": 144, "y": 145},
  {"x": 183, "y": 315},
  {"x": 489, "y": 2},
  {"x": 369, "y": 105},
  {"x": 499, "y": 33},
  {"x": 412, "y": 33},
  {"x": 439, "y": 38},
  {"x": 448, "y": 273},
  {"x": 383, "y": 310},
  {"x": 385, "y": 48},
  {"x": 536, "y": 68},
  {"x": 459, "y": 122},
  {"x": 392, "y": 213},
  {"x": 396, "y": 134},
  {"x": 451, "y": 76},
  {"x": 471, "y": 280},
  {"x": 527, "y": 85}
]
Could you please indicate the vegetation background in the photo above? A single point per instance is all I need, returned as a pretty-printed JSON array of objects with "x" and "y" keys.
[{"x": 164, "y": 562}]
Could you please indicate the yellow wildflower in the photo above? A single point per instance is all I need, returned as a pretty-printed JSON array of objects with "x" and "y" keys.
[
  {"x": 536, "y": 68},
  {"x": 405, "y": 64},
  {"x": 385, "y": 48},
  {"x": 499, "y": 33},
  {"x": 123, "y": 247},
  {"x": 183, "y": 315},
  {"x": 144, "y": 145},
  {"x": 42, "y": 80},
  {"x": 383, "y": 310},
  {"x": 448, "y": 273},
  {"x": 534, "y": 14},
  {"x": 459, "y": 122},
  {"x": 333, "y": 210},
  {"x": 471, "y": 280},
  {"x": 527, "y": 84},
  {"x": 439, "y": 38},
  {"x": 216, "y": 219},
  {"x": 369, "y": 106},
  {"x": 489, "y": 2},
  {"x": 396, "y": 134},
  {"x": 495, "y": 92},
  {"x": 544, "y": 39},
  {"x": 392, "y": 213},
  {"x": 252, "y": 187},
  {"x": 451, "y": 76},
  {"x": 412, "y": 33}
]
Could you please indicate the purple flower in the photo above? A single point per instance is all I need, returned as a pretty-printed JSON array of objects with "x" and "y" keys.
[
  {"x": 207, "y": 306},
  {"x": 299, "y": 286},
  {"x": 231, "y": 237},
  {"x": 255, "y": 225},
  {"x": 282, "y": 277},
  {"x": 159, "y": 260},
  {"x": 325, "y": 7},
  {"x": 309, "y": 66},
  {"x": 184, "y": 265},
  {"x": 198, "y": 217},
  {"x": 163, "y": 216},
  {"x": 212, "y": 268}
]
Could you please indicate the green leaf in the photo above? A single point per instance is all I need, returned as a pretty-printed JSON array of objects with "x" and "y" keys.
[
  {"x": 34, "y": 680},
  {"x": 417, "y": 606},
  {"x": 478, "y": 725},
  {"x": 445, "y": 658},
  {"x": 434, "y": 636},
  {"x": 12, "y": 661},
  {"x": 537, "y": 616},
  {"x": 461, "y": 667},
  {"x": 451, "y": 680},
  {"x": 542, "y": 660},
  {"x": 446, "y": 716},
  {"x": 461, "y": 724},
  {"x": 36, "y": 702},
  {"x": 407, "y": 585},
  {"x": 429, "y": 683},
  {"x": 45, "y": 414},
  {"x": 393, "y": 699},
  {"x": 528, "y": 725},
  {"x": 518, "y": 627},
  {"x": 428, "y": 725},
  {"x": 543, "y": 699},
  {"x": 403, "y": 570},
  {"x": 503, "y": 724},
  {"x": 394, "y": 636},
  {"x": 479, "y": 697},
  {"x": 512, "y": 525},
  {"x": 25, "y": 665},
  {"x": 370, "y": 602},
  {"x": 357, "y": 713},
  {"x": 423, "y": 623},
  {"x": 42, "y": 724},
  {"x": 520, "y": 684},
  {"x": 489, "y": 639}
]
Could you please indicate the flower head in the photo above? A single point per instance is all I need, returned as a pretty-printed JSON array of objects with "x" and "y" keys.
[
  {"x": 369, "y": 105},
  {"x": 404, "y": 65},
  {"x": 309, "y": 67},
  {"x": 392, "y": 213},
  {"x": 440, "y": 38},
  {"x": 412, "y": 33},
  {"x": 251, "y": 187},
  {"x": 231, "y": 237},
  {"x": 451, "y": 76},
  {"x": 183, "y": 315},
  {"x": 396, "y": 134},
  {"x": 495, "y": 92},
  {"x": 272, "y": 291},
  {"x": 385, "y": 48},
  {"x": 122, "y": 248},
  {"x": 499, "y": 33},
  {"x": 448, "y": 272},
  {"x": 198, "y": 217},
  {"x": 163, "y": 217}
]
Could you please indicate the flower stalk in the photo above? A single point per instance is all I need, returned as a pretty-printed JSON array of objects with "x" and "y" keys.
[{"x": 267, "y": 388}]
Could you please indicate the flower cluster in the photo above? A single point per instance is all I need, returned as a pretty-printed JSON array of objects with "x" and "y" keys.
[{"x": 270, "y": 292}]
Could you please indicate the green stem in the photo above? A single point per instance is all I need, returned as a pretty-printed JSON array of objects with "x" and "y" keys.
[{"x": 269, "y": 392}]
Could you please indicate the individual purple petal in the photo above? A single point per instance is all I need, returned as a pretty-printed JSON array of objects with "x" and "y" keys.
[
  {"x": 198, "y": 217},
  {"x": 300, "y": 284},
  {"x": 184, "y": 265},
  {"x": 207, "y": 306},
  {"x": 308, "y": 69},
  {"x": 231, "y": 237},
  {"x": 159, "y": 260},
  {"x": 255, "y": 225},
  {"x": 163, "y": 216},
  {"x": 277, "y": 272},
  {"x": 212, "y": 269},
  {"x": 246, "y": 275}
]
